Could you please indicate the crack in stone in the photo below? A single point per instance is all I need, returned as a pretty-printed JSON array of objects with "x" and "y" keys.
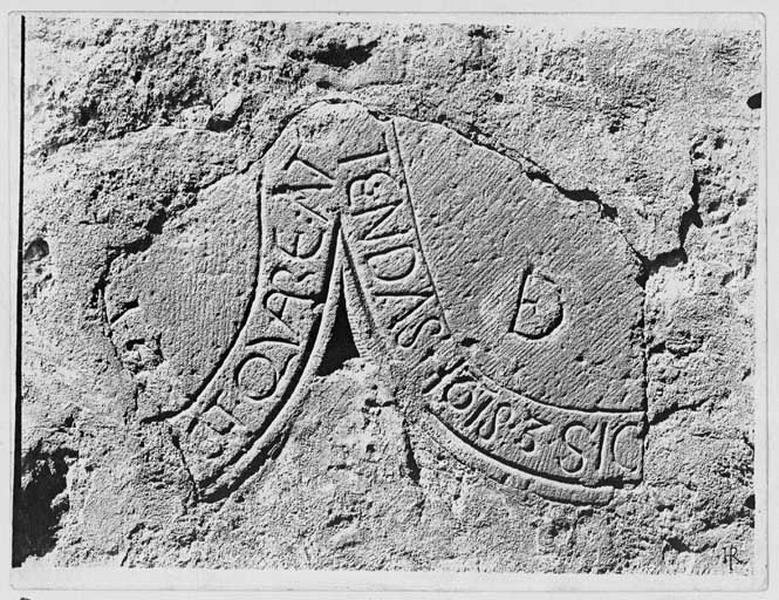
[
  {"x": 663, "y": 415},
  {"x": 535, "y": 172},
  {"x": 606, "y": 211},
  {"x": 411, "y": 465},
  {"x": 190, "y": 477},
  {"x": 678, "y": 255}
]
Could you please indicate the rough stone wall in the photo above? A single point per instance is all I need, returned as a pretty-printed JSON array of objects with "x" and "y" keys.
[{"x": 144, "y": 143}]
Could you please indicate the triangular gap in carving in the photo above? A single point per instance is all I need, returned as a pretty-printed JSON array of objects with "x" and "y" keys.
[{"x": 340, "y": 347}]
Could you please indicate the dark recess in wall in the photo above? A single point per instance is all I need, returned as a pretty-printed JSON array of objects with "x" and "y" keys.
[{"x": 341, "y": 346}]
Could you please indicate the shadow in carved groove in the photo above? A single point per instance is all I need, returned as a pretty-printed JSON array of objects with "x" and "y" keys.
[{"x": 340, "y": 347}]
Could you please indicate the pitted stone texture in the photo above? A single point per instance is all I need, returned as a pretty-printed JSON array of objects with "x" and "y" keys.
[
  {"x": 120, "y": 163},
  {"x": 584, "y": 104}
]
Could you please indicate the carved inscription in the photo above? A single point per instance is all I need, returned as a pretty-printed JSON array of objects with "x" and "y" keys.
[
  {"x": 335, "y": 202},
  {"x": 539, "y": 306},
  {"x": 389, "y": 262},
  {"x": 575, "y": 446},
  {"x": 260, "y": 375}
]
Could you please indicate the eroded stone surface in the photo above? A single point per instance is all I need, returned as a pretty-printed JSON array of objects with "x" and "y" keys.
[
  {"x": 143, "y": 264},
  {"x": 337, "y": 206}
]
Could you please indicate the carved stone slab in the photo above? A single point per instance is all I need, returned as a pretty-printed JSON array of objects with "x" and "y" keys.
[{"x": 506, "y": 316}]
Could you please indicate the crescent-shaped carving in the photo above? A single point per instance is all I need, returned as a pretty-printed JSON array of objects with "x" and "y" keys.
[{"x": 508, "y": 317}]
